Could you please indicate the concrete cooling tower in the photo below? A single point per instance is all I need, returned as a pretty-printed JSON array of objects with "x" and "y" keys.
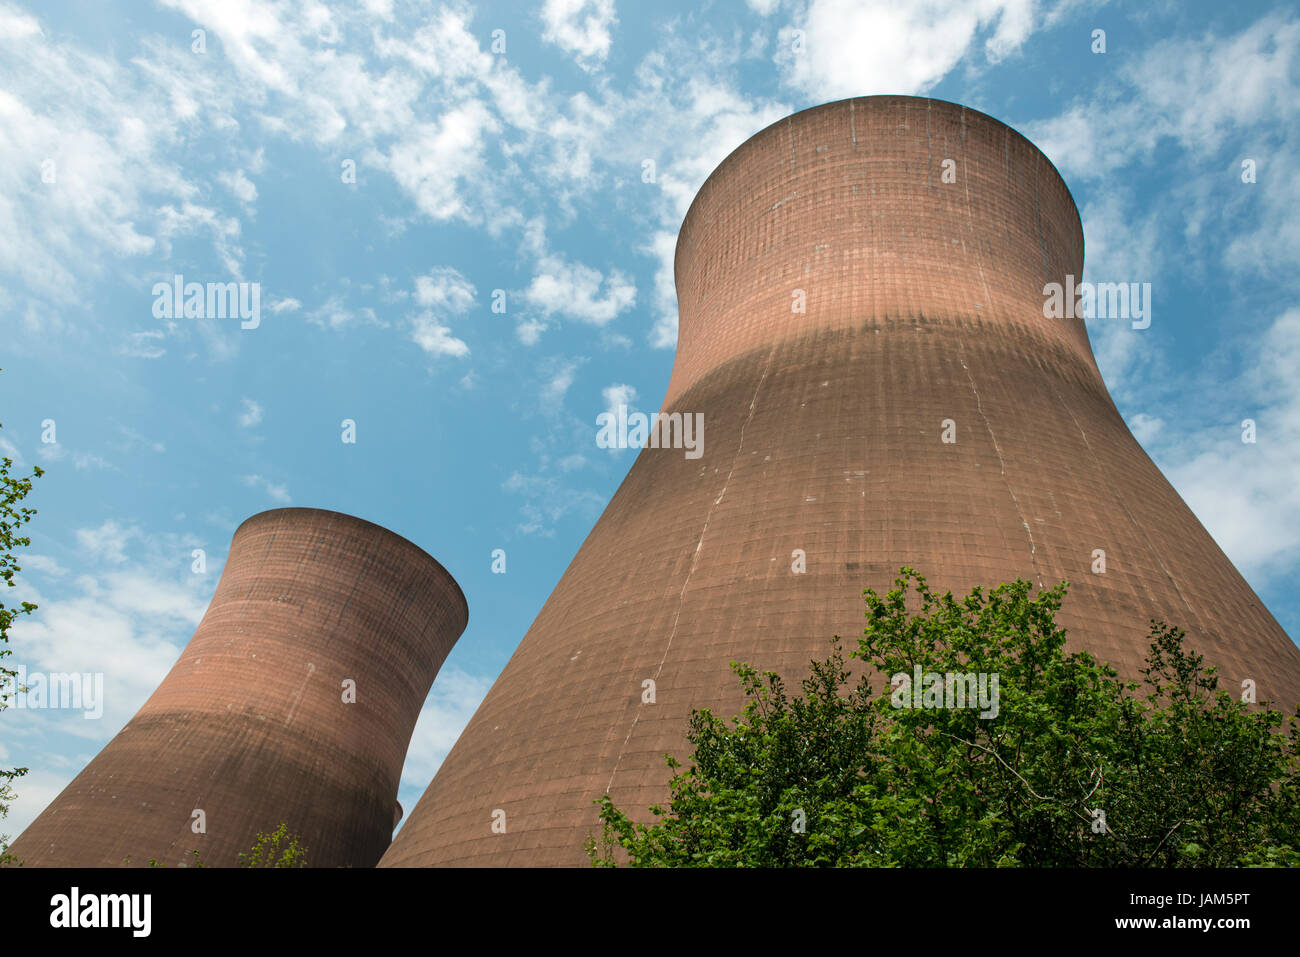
[
  {"x": 842, "y": 307},
  {"x": 294, "y": 702}
]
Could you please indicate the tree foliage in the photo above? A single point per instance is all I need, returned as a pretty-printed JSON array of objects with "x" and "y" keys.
[
  {"x": 1077, "y": 769},
  {"x": 13, "y": 516},
  {"x": 277, "y": 849}
]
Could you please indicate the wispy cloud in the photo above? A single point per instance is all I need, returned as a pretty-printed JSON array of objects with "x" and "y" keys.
[
  {"x": 579, "y": 291},
  {"x": 842, "y": 48},
  {"x": 125, "y": 617},
  {"x": 581, "y": 28},
  {"x": 250, "y": 413},
  {"x": 443, "y": 292},
  {"x": 276, "y": 491}
]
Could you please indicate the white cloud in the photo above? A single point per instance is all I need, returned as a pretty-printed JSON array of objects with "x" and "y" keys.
[
  {"x": 1271, "y": 248},
  {"x": 580, "y": 27},
  {"x": 193, "y": 219},
  {"x": 547, "y": 501},
  {"x": 34, "y": 790},
  {"x": 455, "y": 696},
  {"x": 1220, "y": 99},
  {"x": 43, "y": 564},
  {"x": 435, "y": 338},
  {"x": 1124, "y": 244},
  {"x": 81, "y": 161},
  {"x": 134, "y": 439},
  {"x": 435, "y": 110},
  {"x": 1145, "y": 427},
  {"x": 1203, "y": 89},
  {"x": 559, "y": 378},
  {"x": 126, "y": 622},
  {"x": 277, "y": 493},
  {"x": 529, "y": 331},
  {"x": 335, "y": 313},
  {"x": 380, "y": 8},
  {"x": 144, "y": 345},
  {"x": 428, "y": 104},
  {"x": 1200, "y": 92},
  {"x": 579, "y": 291},
  {"x": 444, "y": 48},
  {"x": 240, "y": 186},
  {"x": 10, "y": 451},
  {"x": 421, "y": 102},
  {"x": 616, "y": 395},
  {"x": 1190, "y": 112},
  {"x": 1096, "y": 138},
  {"x": 285, "y": 305},
  {"x": 58, "y": 452},
  {"x": 107, "y": 542},
  {"x": 1247, "y": 494},
  {"x": 663, "y": 246},
  {"x": 434, "y": 160},
  {"x": 250, "y": 413},
  {"x": 713, "y": 119},
  {"x": 445, "y": 290},
  {"x": 697, "y": 121},
  {"x": 865, "y": 47},
  {"x": 17, "y": 25}
]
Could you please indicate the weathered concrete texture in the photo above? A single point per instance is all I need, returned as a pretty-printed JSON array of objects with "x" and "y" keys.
[
  {"x": 823, "y": 433},
  {"x": 251, "y": 727}
]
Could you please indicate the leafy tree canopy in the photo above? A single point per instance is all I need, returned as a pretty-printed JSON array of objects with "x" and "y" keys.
[
  {"x": 13, "y": 516},
  {"x": 1077, "y": 768},
  {"x": 277, "y": 849}
]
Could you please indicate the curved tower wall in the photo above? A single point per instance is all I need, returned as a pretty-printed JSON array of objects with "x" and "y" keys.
[
  {"x": 823, "y": 433},
  {"x": 250, "y": 726}
]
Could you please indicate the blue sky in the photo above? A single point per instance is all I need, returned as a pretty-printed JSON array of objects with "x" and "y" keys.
[{"x": 128, "y": 156}]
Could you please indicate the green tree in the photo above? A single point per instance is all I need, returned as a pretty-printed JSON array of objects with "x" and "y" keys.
[
  {"x": 1076, "y": 768},
  {"x": 13, "y": 516},
  {"x": 154, "y": 862},
  {"x": 277, "y": 849}
]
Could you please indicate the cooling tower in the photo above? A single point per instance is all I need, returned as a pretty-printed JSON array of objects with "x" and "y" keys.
[
  {"x": 867, "y": 344},
  {"x": 294, "y": 702}
]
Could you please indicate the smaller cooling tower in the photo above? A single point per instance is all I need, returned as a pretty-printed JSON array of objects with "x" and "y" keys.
[{"x": 294, "y": 702}]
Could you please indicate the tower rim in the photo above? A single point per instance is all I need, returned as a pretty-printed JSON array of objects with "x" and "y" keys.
[
  {"x": 343, "y": 518},
  {"x": 731, "y": 158}
]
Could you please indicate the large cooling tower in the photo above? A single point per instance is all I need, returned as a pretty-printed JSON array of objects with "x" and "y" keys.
[
  {"x": 824, "y": 432},
  {"x": 253, "y": 726}
]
